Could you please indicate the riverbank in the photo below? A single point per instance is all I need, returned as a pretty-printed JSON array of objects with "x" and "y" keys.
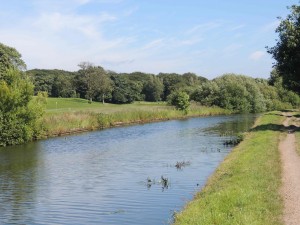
[
  {"x": 245, "y": 187},
  {"x": 67, "y": 116}
]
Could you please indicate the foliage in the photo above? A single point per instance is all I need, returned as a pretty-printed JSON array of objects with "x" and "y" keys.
[
  {"x": 97, "y": 83},
  {"x": 206, "y": 93},
  {"x": 19, "y": 117},
  {"x": 244, "y": 94},
  {"x": 58, "y": 83},
  {"x": 153, "y": 89},
  {"x": 233, "y": 92},
  {"x": 180, "y": 100},
  {"x": 10, "y": 58},
  {"x": 124, "y": 90},
  {"x": 286, "y": 51}
]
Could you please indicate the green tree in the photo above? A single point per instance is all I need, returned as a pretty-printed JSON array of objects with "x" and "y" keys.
[
  {"x": 124, "y": 90},
  {"x": 286, "y": 52},
  {"x": 153, "y": 89},
  {"x": 10, "y": 58},
  {"x": 18, "y": 113},
  {"x": 58, "y": 83},
  {"x": 98, "y": 84},
  {"x": 239, "y": 93},
  {"x": 180, "y": 100},
  {"x": 207, "y": 94},
  {"x": 172, "y": 82}
]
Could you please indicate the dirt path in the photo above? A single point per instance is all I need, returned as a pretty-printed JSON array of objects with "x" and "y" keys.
[{"x": 290, "y": 177}]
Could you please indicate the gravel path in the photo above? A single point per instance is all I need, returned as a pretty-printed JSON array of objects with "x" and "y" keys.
[{"x": 290, "y": 178}]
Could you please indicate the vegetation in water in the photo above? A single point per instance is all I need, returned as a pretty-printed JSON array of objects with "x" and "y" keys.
[
  {"x": 180, "y": 165},
  {"x": 164, "y": 182}
]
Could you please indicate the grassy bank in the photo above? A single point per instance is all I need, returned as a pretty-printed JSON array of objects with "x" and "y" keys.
[
  {"x": 65, "y": 116},
  {"x": 245, "y": 187}
]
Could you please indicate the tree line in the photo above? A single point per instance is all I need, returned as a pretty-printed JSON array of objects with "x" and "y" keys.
[
  {"x": 231, "y": 91},
  {"x": 97, "y": 84}
]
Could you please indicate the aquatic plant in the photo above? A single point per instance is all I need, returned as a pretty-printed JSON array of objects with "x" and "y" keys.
[{"x": 180, "y": 165}]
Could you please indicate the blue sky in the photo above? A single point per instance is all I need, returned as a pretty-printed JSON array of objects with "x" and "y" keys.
[{"x": 207, "y": 37}]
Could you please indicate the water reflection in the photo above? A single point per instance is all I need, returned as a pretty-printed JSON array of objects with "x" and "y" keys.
[
  {"x": 131, "y": 175},
  {"x": 233, "y": 125},
  {"x": 18, "y": 177}
]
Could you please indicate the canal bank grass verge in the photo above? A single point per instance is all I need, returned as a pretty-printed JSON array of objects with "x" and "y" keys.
[
  {"x": 76, "y": 115},
  {"x": 245, "y": 187}
]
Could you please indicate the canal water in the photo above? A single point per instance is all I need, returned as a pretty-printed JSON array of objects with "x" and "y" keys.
[{"x": 124, "y": 175}]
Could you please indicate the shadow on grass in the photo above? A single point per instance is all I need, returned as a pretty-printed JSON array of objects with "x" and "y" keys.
[
  {"x": 276, "y": 127},
  {"x": 275, "y": 114},
  {"x": 287, "y": 110}
]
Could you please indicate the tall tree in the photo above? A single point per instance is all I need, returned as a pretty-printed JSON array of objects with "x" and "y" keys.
[
  {"x": 153, "y": 89},
  {"x": 287, "y": 50},
  {"x": 18, "y": 114},
  {"x": 98, "y": 84},
  {"x": 10, "y": 58}
]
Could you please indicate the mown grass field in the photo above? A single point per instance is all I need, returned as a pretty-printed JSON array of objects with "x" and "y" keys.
[
  {"x": 245, "y": 187},
  {"x": 70, "y": 115},
  {"x": 60, "y": 105}
]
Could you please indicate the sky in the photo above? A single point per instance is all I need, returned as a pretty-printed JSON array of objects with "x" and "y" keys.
[{"x": 206, "y": 37}]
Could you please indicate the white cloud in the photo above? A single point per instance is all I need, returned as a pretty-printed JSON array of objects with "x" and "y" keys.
[
  {"x": 203, "y": 27},
  {"x": 257, "y": 55},
  {"x": 231, "y": 50},
  {"x": 153, "y": 44},
  {"x": 190, "y": 41},
  {"x": 87, "y": 25},
  {"x": 238, "y": 27}
]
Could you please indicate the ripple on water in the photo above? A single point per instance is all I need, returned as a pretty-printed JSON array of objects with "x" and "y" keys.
[{"x": 101, "y": 177}]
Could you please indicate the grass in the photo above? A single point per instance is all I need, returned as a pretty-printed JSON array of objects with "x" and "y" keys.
[
  {"x": 70, "y": 115},
  {"x": 295, "y": 120},
  {"x": 61, "y": 105},
  {"x": 245, "y": 187}
]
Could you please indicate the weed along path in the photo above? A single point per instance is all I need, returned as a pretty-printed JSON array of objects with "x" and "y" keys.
[{"x": 290, "y": 176}]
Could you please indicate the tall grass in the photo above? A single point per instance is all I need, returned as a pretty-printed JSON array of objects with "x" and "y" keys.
[
  {"x": 81, "y": 120},
  {"x": 245, "y": 187}
]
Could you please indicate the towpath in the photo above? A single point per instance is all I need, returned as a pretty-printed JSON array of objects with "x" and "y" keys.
[{"x": 290, "y": 175}]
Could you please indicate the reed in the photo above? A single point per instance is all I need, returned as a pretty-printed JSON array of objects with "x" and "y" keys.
[{"x": 66, "y": 121}]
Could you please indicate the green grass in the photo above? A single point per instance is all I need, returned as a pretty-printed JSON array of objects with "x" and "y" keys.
[
  {"x": 245, "y": 187},
  {"x": 69, "y": 115},
  {"x": 59, "y": 105}
]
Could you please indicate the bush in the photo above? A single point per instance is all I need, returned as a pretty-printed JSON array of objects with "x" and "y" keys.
[{"x": 180, "y": 100}]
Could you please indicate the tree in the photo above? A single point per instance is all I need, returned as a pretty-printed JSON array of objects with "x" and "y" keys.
[
  {"x": 172, "y": 82},
  {"x": 10, "y": 58},
  {"x": 207, "y": 94},
  {"x": 58, "y": 83},
  {"x": 18, "y": 113},
  {"x": 287, "y": 50},
  {"x": 98, "y": 85},
  {"x": 153, "y": 89},
  {"x": 180, "y": 100},
  {"x": 124, "y": 90}
]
